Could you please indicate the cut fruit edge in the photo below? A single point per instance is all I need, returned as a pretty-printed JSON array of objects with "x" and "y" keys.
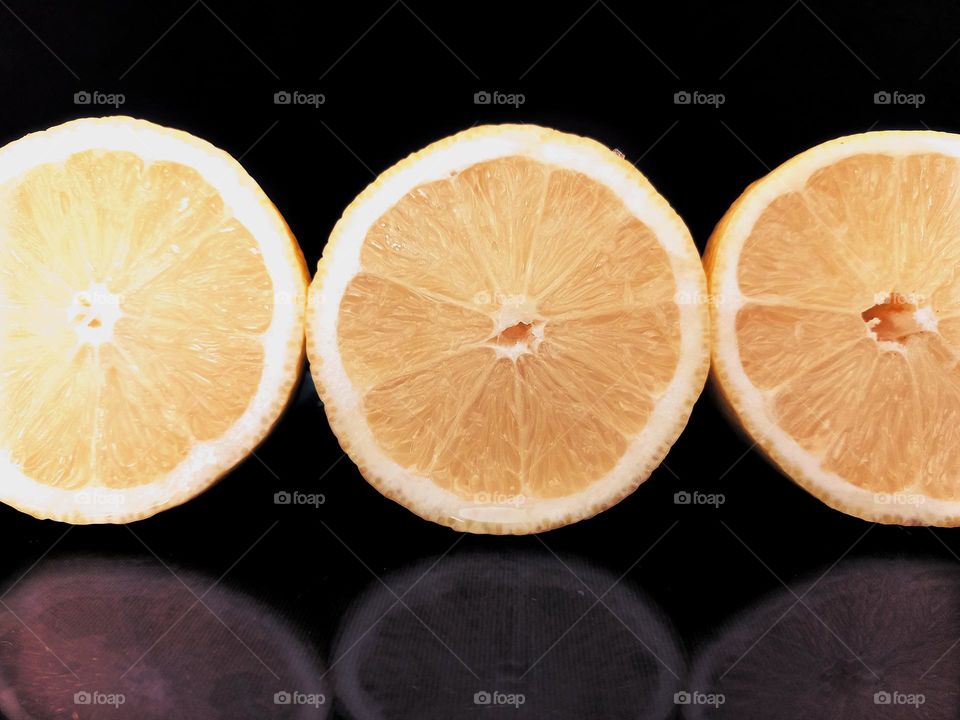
[
  {"x": 341, "y": 262},
  {"x": 729, "y": 377},
  {"x": 207, "y": 461}
]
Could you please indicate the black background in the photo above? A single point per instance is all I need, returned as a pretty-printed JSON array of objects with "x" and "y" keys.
[{"x": 398, "y": 76}]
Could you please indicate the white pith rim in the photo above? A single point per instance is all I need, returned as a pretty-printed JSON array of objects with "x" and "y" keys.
[
  {"x": 244, "y": 199},
  {"x": 748, "y": 401},
  {"x": 341, "y": 262}
]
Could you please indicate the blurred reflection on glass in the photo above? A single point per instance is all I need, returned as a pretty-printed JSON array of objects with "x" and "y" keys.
[
  {"x": 506, "y": 634},
  {"x": 88, "y": 638},
  {"x": 870, "y": 640}
]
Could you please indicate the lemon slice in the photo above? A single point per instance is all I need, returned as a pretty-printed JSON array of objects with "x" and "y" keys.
[
  {"x": 508, "y": 329},
  {"x": 151, "y": 316},
  {"x": 837, "y": 322}
]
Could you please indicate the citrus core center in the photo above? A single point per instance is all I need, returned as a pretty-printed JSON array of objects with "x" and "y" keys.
[
  {"x": 93, "y": 312},
  {"x": 895, "y": 319},
  {"x": 521, "y": 332}
]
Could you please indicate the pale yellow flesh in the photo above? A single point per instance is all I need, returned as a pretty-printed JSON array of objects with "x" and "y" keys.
[
  {"x": 510, "y": 330},
  {"x": 131, "y": 312},
  {"x": 851, "y": 327}
]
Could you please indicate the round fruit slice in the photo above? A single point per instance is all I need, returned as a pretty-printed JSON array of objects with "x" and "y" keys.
[
  {"x": 508, "y": 329},
  {"x": 151, "y": 319},
  {"x": 837, "y": 322}
]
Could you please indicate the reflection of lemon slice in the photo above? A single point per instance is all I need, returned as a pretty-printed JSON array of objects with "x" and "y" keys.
[
  {"x": 151, "y": 318},
  {"x": 500, "y": 632},
  {"x": 875, "y": 639},
  {"x": 507, "y": 329},
  {"x": 837, "y": 326},
  {"x": 130, "y": 639}
]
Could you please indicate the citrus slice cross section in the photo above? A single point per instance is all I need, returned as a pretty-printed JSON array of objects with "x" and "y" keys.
[
  {"x": 151, "y": 316},
  {"x": 508, "y": 329},
  {"x": 837, "y": 322}
]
